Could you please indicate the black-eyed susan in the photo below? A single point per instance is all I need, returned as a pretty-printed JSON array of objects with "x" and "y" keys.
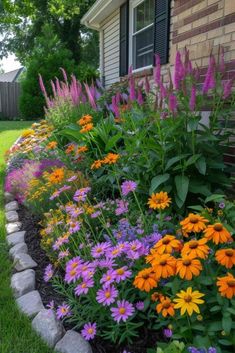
[
  {"x": 217, "y": 233},
  {"x": 188, "y": 301},
  {"x": 167, "y": 244},
  {"x": 196, "y": 248},
  {"x": 145, "y": 280},
  {"x": 165, "y": 307},
  {"x": 163, "y": 265},
  {"x": 193, "y": 223},
  {"x": 226, "y": 286},
  {"x": 226, "y": 257},
  {"x": 188, "y": 266},
  {"x": 159, "y": 201}
]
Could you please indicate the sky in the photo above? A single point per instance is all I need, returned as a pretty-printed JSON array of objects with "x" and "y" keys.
[{"x": 10, "y": 63}]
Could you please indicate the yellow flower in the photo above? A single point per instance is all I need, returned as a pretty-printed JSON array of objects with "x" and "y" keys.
[
  {"x": 86, "y": 119},
  {"x": 97, "y": 164},
  {"x": 160, "y": 200},
  {"x": 188, "y": 300},
  {"x": 111, "y": 158},
  {"x": 56, "y": 176},
  {"x": 27, "y": 133},
  {"x": 194, "y": 223},
  {"x": 87, "y": 127}
]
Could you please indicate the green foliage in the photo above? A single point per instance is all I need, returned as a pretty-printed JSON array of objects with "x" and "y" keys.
[{"x": 173, "y": 347}]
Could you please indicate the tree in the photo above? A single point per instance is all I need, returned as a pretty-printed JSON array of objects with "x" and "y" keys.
[
  {"x": 22, "y": 21},
  {"x": 48, "y": 56}
]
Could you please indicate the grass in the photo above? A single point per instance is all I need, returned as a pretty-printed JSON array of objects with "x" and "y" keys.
[{"x": 16, "y": 335}]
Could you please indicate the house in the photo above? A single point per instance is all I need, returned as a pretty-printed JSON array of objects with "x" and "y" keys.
[
  {"x": 11, "y": 76},
  {"x": 131, "y": 31}
]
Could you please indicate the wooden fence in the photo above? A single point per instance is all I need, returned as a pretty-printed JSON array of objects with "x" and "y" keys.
[{"x": 9, "y": 99}]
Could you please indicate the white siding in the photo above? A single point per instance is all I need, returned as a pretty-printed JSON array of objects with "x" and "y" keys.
[{"x": 111, "y": 28}]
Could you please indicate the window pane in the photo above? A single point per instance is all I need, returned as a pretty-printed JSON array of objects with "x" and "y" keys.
[
  {"x": 143, "y": 48},
  {"x": 143, "y": 15}
]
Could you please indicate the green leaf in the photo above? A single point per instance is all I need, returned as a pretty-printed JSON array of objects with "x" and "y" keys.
[
  {"x": 182, "y": 184},
  {"x": 231, "y": 310},
  {"x": 157, "y": 181},
  {"x": 227, "y": 323},
  {"x": 173, "y": 160},
  {"x": 196, "y": 208},
  {"x": 201, "y": 165},
  {"x": 225, "y": 342},
  {"x": 214, "y": 197},
  {"x": 215, "y": 308},
  {"x": 192, "y": 159},
  {"x": 112, "y": 142},
  {"x": 198, "y": 187},
  {"x": 215, "y": 326}
]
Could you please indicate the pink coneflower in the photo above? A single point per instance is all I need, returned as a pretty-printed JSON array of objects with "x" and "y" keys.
[
  {"x": 139, "y": 306},
  {"x": 98, "y": 250},
  {"x": 74, "y": 227},
  {"x": 81, "y": 194},
  {"x": 84, "y": 287},
  {"x": 63, "y": 311},
  {"x": 192, "y": 103},
  {"x": 107, "y": 296},
  {"x": 128, "y": 186},
  {"x": 123, "y": 311},
  {"x": 108, "y": 278},
  {"x": 48, "y": 274},
  {"x": 89, "y": 331},
  {"x": 122, "y": 273}
]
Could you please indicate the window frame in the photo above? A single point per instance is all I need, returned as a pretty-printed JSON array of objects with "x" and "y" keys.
[{"x": 133, "y": 5}]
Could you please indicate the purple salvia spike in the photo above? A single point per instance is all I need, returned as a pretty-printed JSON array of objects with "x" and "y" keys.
[
  {"x": 179, "y": 72},
  {"x": 115, "y": 107},
  {"x": 90, "y": 97},
  {"x": 192, "y": 102},
  {"x": 157, "y": 70},
  {"x": 53, "y": 89},
  {"x": 58, "y": 88},
  {"x": 132, "y": 88},
  {"x": 209, "y": 82},
  {"x": 163, "y": 92},
  {"x": 172, "y": 103},
  {"x": 118, "y": 97},
  {"x": 147, "y": 85},
  {"x": 227, "y": 88},
  {"x": 41, "y": 83},
  {"x": 140, "y": 98}
]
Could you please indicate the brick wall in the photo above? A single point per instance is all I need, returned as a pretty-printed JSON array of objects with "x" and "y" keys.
[{"x": 203, "y": 25}]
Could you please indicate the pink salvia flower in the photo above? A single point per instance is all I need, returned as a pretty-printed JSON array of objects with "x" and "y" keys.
[
  {"x": 90, "y": 97},
  {"x": 172, "y": 103},
  {"x": 132, "y": 88},
  {"x": 140, "y": 98},
  {"x": 179, "y": 71},
  {"x": 163, "y": 92},
  {"x": 64, "y": 74},
  {"x": 192, "y": 103},
  {"x": 147, "y": 85},
  {"x": 41, "y": 83},
  {"x": 227, "y": 88},
  {"x": 157, "y": 70},
  {"x": 115, "y": 109}
]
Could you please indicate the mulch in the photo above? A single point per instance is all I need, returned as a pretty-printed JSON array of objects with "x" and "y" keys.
[{"x": 48, "y": 293}]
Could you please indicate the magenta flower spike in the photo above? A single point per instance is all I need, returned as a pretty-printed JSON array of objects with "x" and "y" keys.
[
  {"x": 227, "y": 88},
  {"x": 140, "y": 98},
  {"x": 192, "y": 102},
  {"x": 90, "y": 97},
  {"x": 64, "y": 74},
  {"x": 115, "y": 109},
  {"x": 132, "y": 88},
  {"x": 209, "y": 82},
  {"x": 157, "y": 70},
  {"x": 41, "y": 83},
  {"x": 147, "y": 85},
  {"x": 172, "y": 102},
  {"x": 179, "y": 73}
]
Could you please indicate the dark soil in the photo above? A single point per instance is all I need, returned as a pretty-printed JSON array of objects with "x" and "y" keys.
[{"x": 32, "y": 239}]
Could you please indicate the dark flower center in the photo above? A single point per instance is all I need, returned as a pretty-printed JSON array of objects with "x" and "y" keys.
[
  {"x": 193, "y": 244},
  {"x": 187, "y": 262},
  {"x": 218, "y": 227},
  {"x": 229, "y": 252}
]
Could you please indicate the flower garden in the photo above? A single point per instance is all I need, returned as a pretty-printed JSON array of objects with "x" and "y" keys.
[{"x": 135, "y": 210}]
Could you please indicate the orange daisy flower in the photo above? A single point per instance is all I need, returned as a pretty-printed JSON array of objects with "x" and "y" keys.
[
  {"x": 226, "y": 257},
  {"x": 160, "y": 200},
  {"x": 167, "y": 244},
  {"x": 163, "y": 265},
  {"x": 145, "y": 280},
  {"x": 156, "y": 296},
  {"x": 196, "y": 248},
  {"x": 51, "y": 145},
  {"x": 194, "y": 223},
  {"x": 217, "y": 233},
  {"x": 111, "y": 158},
  {"x": 166, "y": 307},
  {"x": 70, "y": 149},
  {"x": 87, "y": 128},
  {"x": 188, "y": 266},
  {"x": 86, "y": 119},
  {"x": 56, "y": 176},
  {"x": 226, "y": 286},
  {"x": 82, "y": 149},
  {"x": 97, "y": 164}
]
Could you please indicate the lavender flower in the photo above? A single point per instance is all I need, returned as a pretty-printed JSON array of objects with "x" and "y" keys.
[
  {"x": 123, "y": 311},
  {"x": 139, "y": 306},
  {"x": 167, "y": 333},
  {"x": 157, "y": 70},
  {"x": 227, "y": 88},
  {"x": 128, "y": 186},
  {"x": 63, "y": 311},
  {"x": 48, "y": 274},
  {"x": 89, "y": 331},
  {"x": 107, "y": 295}
]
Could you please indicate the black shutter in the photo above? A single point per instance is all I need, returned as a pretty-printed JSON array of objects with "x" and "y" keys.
[
  {"x": 124, "y": 34},
  {"x": 162, "y": 29}
]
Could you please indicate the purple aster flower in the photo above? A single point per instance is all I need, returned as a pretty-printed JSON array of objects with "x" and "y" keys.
[
  {"x": 63, "y": 311},
  {"x": 99, "y": 249},
  {"x": 221, "y": 205},
  {"x": 71, "y": 271},
  {"x": 122, "y": 207},
  {"x": 87, "y": 269},
  {"x": 108, "y": 278},
  {"x": 72, "y": 178},
  {"x": 107, "y": 295},
  {"x": 122, "y": 273},
  {"x": 64, "y": 188},
  {"x": 212, "y": 350},
  {"x": 75, "y": 212},
  {"x": 59, "y": 242},
  {"x": 51, "y": 305},
  {"x": 81, "y": 194},
  {"x": 89, "y": 331},
  {"x": 123, "y": 310},
  {"x": 135, "y": 250},
  {"x": 106, "y": 263},
  {"x": 167, "y": 333},
  {"x": 54, "y": 195},
  {"x": 139, "y": 305},
  {"x": 83, "y": 287},
  {"x": 74, "y": 227},
  {"x": 193, "y": 350},
  {"x": 128, "y": 186},
  {"x": 95, "y": 214},
  {"x": 63, "y": 254},
  {"x": 48, "y": 274}
]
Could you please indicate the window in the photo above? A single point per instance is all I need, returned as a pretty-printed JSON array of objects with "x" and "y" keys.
[{"x": 142, "y": 33}]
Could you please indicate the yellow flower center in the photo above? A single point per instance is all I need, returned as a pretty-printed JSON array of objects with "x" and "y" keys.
[
  {"x": 231, "y": 283},
  {"x": 122, "y": 310},
  {"x": 218, "y": 227},
  {"x": 229, "y": 252},
  {"x": 108, "y": 278},
  {"x": 84, "y": 285},
  {"x": 187, "y": 298},
  {"x": 120, "y": 271},
  {"x": 193, "y": 219},
  {"x": 187, "y": 262},
  {"x": 193, "y": 244},
  {"x": 107, "y": 294},
  {"x": 90, "y": 330},
  {"x": 64, "y": 310},
  {"x": 72, "y": 273}
]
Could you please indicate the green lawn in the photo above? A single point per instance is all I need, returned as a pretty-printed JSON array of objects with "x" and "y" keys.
[{"x": 16, "y": 335}]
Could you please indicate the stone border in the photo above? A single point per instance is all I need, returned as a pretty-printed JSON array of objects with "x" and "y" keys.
[{"x": 29, "y": 301}]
